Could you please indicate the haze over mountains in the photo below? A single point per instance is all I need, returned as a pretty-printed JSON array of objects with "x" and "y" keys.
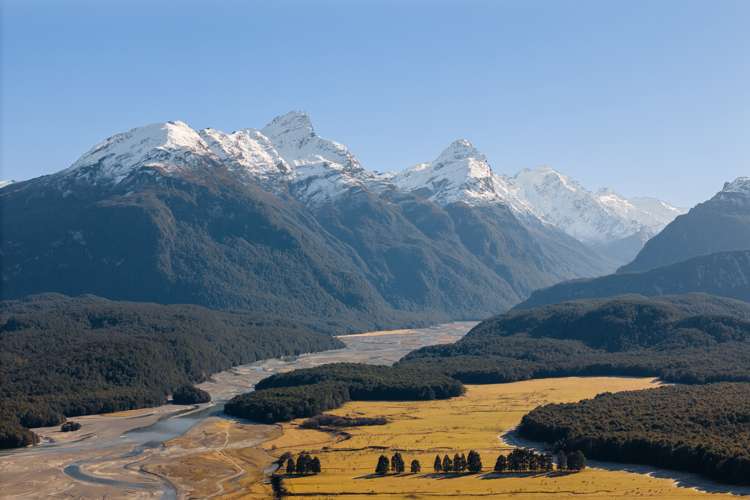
[
  {"x": 280, "y": 219},
  {"x": 706, "y": 250}
]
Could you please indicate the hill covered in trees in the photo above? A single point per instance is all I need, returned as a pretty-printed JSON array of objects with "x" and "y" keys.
[
  {"x": 67, "y": 356},
  {"x": 310, "y": 391},
  {"x": 692, "y": 338},
  {"x": 703, "y": 429},
  {"x": 725, "y": 274}
]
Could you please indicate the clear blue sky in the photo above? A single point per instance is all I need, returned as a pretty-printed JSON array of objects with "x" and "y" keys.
[{"x": 647, "y": 97}]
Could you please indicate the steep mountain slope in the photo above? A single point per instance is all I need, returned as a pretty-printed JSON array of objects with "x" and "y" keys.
[
  {"x": 726, "y": 274},
  {"x": 718, "y": 225},
  {"x": 276, "y": 220},
  {"x": 612, "y": 225},
  {"x": 212, "y": 217}
]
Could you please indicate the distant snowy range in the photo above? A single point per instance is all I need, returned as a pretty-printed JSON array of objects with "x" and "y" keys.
[
  {"x": 281, "y": 219},
  {"x": 287, "y": 155}
]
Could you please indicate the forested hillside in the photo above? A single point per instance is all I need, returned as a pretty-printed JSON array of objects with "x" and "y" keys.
[
  {"x": 65, "y": 356},
  {"x": 703, "y": 429},
  {"x": 692, "y": 338}
]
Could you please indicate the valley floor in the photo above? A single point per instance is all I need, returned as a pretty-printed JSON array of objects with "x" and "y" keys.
[
  {"x": 478, "y": 420},
  {"x": 218, "y": 457}
]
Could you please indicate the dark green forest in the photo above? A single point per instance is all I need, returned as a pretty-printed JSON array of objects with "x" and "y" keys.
[
  {"x": 690, "y": 339},
  {"x": 703, "y": 428},
  {"x": 310, "y": 391},
  {"x": 64, "y": 356}
]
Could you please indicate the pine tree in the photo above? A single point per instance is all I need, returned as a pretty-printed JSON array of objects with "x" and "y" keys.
[
  {"x": 501, "y": 464},
  {"x": 447, "y": 464},
  {"x": 562, "y": 460},
  {"x": 383, "y": 465},
  {"x": 474, "y": 462},
  {"x": 290, "y": 466},
  {"x": 457, "y": 463},
  {"x": 397, "y": 463},
  {"x": 438, "y": 465},
  {"x": 576, "y": 460},
  {"x": 315, "y": 465},
  {"x": 302, "y": 463},
  {"x": 415, "y": 467}
]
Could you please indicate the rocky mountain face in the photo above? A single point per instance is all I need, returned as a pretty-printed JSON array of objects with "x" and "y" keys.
[
  {"x": 282, "y": 220},
  {"x": 720, "y": 224}
]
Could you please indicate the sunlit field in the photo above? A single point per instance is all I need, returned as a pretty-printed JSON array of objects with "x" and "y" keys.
[{"x": 475, "y": 421}]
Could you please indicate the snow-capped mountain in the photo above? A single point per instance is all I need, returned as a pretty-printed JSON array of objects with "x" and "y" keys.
[
  {"x": 5, "y": 183},
  {"x": 593, "y": 217},
  {"x": 321, "y": 169},
  {"x": 462, "y": 173},
  {"x": 287, "y": 155},
  {"x": 170, "y": 146}
]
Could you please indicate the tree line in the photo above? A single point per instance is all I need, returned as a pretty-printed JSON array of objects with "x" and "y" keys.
[
  {"x": 518, "y": 460},
  {"x": 304, "y": 464}
]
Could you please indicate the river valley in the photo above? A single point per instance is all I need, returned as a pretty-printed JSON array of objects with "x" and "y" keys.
[{"x": 124, "y": 455}]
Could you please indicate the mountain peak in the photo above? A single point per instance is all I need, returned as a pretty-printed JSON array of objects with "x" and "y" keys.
[
  {"x": 294, "y": 125},
  {"x": 739, "y": 185},
  {"x": 460, "y": 149},
  {"x": 166, "y": 145}
]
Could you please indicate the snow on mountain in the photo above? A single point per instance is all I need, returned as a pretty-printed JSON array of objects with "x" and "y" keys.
[
  {"x": 591, "y": 217},
  {"x": 5, "y": 183},
  {"x": 287, "y": 154},
  {"x": 169, "y": 146},
  {"x": 322, "y": 169},
  {"x": 461, "y": 173},
  {"x": 247, "y": 152},
  {"x": 739, "y": 185}
]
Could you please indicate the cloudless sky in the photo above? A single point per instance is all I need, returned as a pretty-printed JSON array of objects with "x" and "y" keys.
[{"x": 647, "y": 97}]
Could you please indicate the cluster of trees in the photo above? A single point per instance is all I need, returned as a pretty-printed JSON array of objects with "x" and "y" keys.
[
  {"x": 524, "y": 460},
  {"x": 190, "y": 395},
  {"x": 70, "y": 426},
  {"x": 702, "y": 428},
  {"x": 459, "y": 463},
  {"x": 304, "y": 464},
  {"x": 64, "y": 356},
  {"x": 308, "y": 392},
  {"x": 325, "y": 420},
  {"x": 396, "y": 465}
]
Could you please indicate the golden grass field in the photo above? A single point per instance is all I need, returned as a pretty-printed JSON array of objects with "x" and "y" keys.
[{"x": 474, "y": 421}]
